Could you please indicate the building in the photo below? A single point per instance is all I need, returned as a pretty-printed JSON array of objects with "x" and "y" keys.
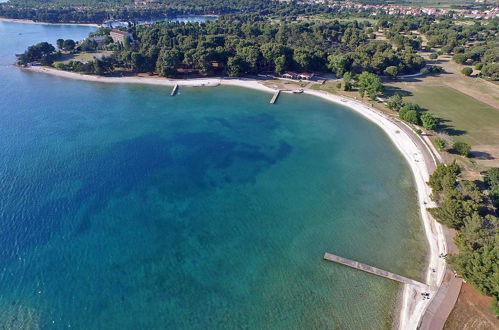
[
  {"x": 297, "y": 76},
  {"x": 119, "y": 36},
  {"x": 305, "y": 75},
  {"x": 290, "y": 75},
  {"x": 100, "y": 40}
]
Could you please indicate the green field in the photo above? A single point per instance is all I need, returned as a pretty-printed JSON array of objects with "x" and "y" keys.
[
  {"x": 83, "y": 57},
  {"x": 466, "y": 119}
]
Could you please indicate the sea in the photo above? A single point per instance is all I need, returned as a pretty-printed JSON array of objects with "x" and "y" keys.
[{"x": 122, "y": 207}]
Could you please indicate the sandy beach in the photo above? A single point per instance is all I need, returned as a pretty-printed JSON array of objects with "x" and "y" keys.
[
  {"x": 16, "y": 20},
  {"x": 412, "y": 306},
  {"x": 197, "y": 82},
  {"x": 412, "y": 147}
]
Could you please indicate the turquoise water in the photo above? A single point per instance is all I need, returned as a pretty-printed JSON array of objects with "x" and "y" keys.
[{"x": 124, "y": 208}]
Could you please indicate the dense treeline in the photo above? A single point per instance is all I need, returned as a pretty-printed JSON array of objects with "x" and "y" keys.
[
  {"x": 90, "y": 11},
  {"x": 246, "y": 46},
  {"x": 463, "y": 206}
]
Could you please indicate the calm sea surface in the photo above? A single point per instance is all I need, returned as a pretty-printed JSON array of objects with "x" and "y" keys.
[{"x": 124, "y": 208}]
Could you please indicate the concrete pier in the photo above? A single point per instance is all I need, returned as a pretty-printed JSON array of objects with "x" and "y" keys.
[
  {"x": 375, "y": 271},
  {"x": 174, "y": 90},
  {"x": 276, "y": 95}
]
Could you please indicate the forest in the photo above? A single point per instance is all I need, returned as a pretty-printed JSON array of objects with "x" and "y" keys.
[
  {"x": 470, "y": 210},
  {"x": 91, "y": 11},
  {"x": 241, "y": 46}
]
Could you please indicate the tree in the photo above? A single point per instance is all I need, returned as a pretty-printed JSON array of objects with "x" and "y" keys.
[
  {"x": 347, "y": 81},
  {"x": 280, "y": 64},
  {"x": 391, "y": 71},
  {"x": 138, "y": 62},
  {"x": 60, "y": 43},
  {"x": 444, "y": 178},
  {"x": 252, "y": 56},
  {"x": 369, "y": 83},
  {"x": 303, "y": 59},
  {"x": 169, "y": 60},
  {"x": 410, "y": 116},
  {"x": 68, "y": 44},
  {"x": 491, "y": 70},
  {"x": 460, "y": 58},
  {"x": 409, "y": 112},
  {"x": 337, "y": 64},
  {"x": 41, "y": 52},
  {"x": 491, "y": 179},
  {"x": 395, "y": 102},
  {"x": 127, "y": 42},
  {"x": 236, "y": 66},
  {"x": 462, "y": 148},
  {"x": 429, "y": 122},
  {"x": 98, "y": 67}
]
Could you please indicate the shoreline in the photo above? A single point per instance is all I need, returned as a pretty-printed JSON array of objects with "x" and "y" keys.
[
  {"x": 411, "y": 307},
  {"x": 195, "y": 82},
  {"x": 28, "y": 21}
]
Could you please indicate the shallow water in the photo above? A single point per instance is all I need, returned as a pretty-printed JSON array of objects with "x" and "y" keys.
[{"x": 123, "y": 207}]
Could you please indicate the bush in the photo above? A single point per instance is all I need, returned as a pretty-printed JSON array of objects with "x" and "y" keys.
[
  {"x": 491, "y": 70},
  {"x": 467, "y": 71},
  {"x": 419, "y": 132},
  {"x": 429, "y": 122},
  {"x": 59, "y": 66},
  {"x": 461, "y": 148},
  {"x": 478, "y": 65},
  {"x": 411, "y": 116},
  {"x": 436, "y": 69},
  {"x": 460, "y": 58},
  {"x": 440, "y": 144},
  {"x": 395, "y": 102},
  {"x": 410, "y": 113},
  {"x": 433, "y": 56},
  {"x": 391, "y": 71}
]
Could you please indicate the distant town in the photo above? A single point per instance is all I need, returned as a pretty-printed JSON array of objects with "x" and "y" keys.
[{"x": 394, "y": 9}]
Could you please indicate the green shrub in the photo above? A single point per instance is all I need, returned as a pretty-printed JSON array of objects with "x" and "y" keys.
[
  {"x": 440, "y": 144},
  {"x": 395, "y": 102},
  {"x": 462, "y": 148},
  {"x": 429, "y": 122},
  {"x": 467, "y": 71}
]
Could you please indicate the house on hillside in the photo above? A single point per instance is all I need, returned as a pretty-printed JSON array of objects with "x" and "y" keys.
[{"x": 119, "y": 36}]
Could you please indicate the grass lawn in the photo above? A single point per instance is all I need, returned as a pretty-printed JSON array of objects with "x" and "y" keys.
[
  {"x": 83, "y": 56},
  {"x": 464, "y": 118}
]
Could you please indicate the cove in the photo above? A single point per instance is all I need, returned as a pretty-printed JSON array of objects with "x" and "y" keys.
[{"x": 124, "y": 207}]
